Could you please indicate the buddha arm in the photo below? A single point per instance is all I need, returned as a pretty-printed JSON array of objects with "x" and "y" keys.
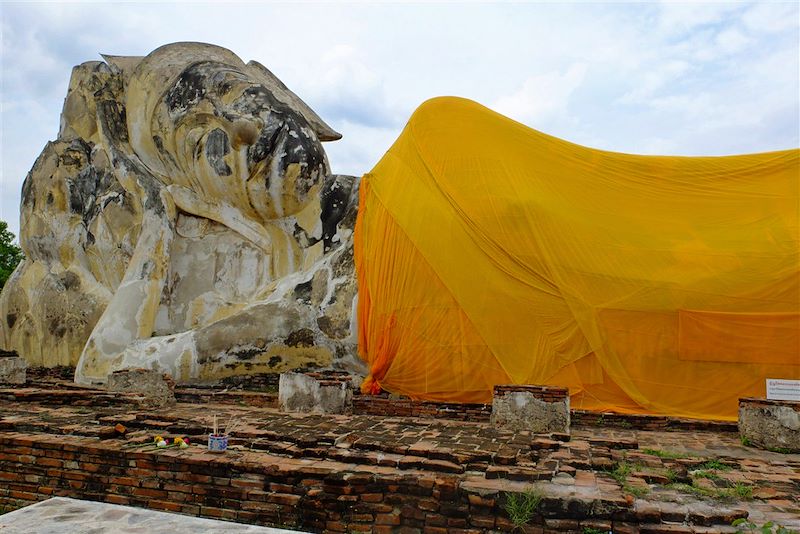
[{"x": 131, "y": 313}]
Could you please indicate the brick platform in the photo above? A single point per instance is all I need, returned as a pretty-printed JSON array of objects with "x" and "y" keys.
[
  {"x": 379, "y": 474},
  {"x": 385, "y": 406}
]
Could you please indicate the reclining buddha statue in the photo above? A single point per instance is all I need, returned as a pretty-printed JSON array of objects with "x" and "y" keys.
[{"x": 185, "y": 220}]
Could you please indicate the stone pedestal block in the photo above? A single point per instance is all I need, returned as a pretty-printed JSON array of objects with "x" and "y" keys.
[
  {"x": 12, "y": 368},
  {"x": 540, "y": 409},
  {"x": 315, "y": 393},
  {"x": 155, "y": 387},
  {"x": 770, "y": 424}
]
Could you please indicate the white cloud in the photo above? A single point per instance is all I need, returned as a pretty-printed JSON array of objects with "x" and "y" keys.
[
  {"x": 771, "y": 17},
  {"x": 348, "y": 89},
  {"x": 682, "y": 78},
  {"x": 542, "y": 97},
  {"x": 680, "y": 17},
  {"x": 655, "y": 78},
  {"x": 731, "y": 41}
]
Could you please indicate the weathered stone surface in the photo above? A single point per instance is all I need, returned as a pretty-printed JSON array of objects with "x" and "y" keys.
[
  {"x": 186, "y": 221},
  {"x": 534, "y": 408},
  {"x": 60, "y": 515},
  {"x": 157, "y": 389},
  {"x": 298, "y": 392},
  {"x": 770, "y": 424},
  {"x": 12, "y": 368}
]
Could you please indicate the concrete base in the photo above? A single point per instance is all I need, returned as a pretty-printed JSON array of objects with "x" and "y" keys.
[
  {"x": 12, "y": 369},
  {"x": 61, "y": 515},
  {"x": 770, "y": 424},
  {"x": 155, "y": 387},
  {"x": 315, "y": 393},
  {"x": 538, "y": 409}
]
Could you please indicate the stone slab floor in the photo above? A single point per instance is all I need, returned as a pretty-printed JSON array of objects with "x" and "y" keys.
[{"x": 62, "y": 515}]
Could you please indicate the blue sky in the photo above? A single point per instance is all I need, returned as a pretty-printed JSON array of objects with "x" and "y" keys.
[{"x": 652, "y": 78}]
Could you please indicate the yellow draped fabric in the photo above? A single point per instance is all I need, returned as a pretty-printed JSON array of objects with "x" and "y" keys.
[{"x": 490, "y": 253}]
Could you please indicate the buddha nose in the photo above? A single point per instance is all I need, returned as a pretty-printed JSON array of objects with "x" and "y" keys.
[{"x": 244, "y": 132}]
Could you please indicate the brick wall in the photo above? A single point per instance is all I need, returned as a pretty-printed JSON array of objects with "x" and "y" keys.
[
  {"x": 390, "y": 407},
  {"x": 542, "y": 393},
  {"x": 259, "y": 488},
  {"x": 384, "y": 405}
]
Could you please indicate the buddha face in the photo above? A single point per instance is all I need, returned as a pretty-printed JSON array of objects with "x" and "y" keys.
[{"x": 222, "y": 133}]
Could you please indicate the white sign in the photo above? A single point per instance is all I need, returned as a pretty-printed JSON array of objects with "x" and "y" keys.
[{"x": 781, "y": 389}]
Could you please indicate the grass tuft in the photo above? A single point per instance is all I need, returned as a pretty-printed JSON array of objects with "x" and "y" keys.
[{"x": 521, "y": 507}]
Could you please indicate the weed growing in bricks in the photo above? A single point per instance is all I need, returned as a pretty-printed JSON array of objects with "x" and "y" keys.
[
  {"x": 743, "y": 491},
  {"x": 780, "y": 450},
  {"x": 672, "y": 475},
  {"x": 671, "y": 455},
  {"x": 715, "y": 465},
  {"x": 521, "y": 507},
  {"x": 620, "y": 474},
  {"x": 739, "y": 491},
  {"x": 743, "y": 526},
  {"x": 711, "y": 475}
]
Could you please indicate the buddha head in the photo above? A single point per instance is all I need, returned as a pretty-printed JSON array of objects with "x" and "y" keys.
[{"x": 199, "y": 117}]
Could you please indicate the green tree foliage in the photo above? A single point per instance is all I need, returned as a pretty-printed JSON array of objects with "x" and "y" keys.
[{"x": 10, "y": 254}]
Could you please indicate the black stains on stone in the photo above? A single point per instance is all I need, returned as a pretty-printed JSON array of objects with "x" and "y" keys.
[
  {"x": 29, "y": 192},
  {"x": 151, "y": 187},
  {"x": 165, "y": 154},
  {"x": 57, "y": 327},
  {"x": 343, "y": 265},
  {"x": 75, "y": 155},
  {"x": 302, "y": 292},
  {"x": 159, "y": 143},
  {"x": 265, "y": 143},
  {"x": 301, "y": 338},
  {"x": 335, "y": 330},
  {"x": 245, "y": 353},
  {"x": 11, "y": 319},
  {"x": 302, "y": 237},
  {"x": 301, "y": 149},
  {"x": 112, "y": 119},
  {"x": 85, "y": 189},
  {"x": 334, "y": 200},
  {"x": 70, "y": 281},
  {"x": 256, "y": 99},
  {"x": 275, "y": 360},
  {"x": 50, "y": 198},
  {"x": 89, "y": 238},
  {"x": 217, "y": 147},
  {"x": 188, "y": 89},
  {"x": 147, "y": 268}
]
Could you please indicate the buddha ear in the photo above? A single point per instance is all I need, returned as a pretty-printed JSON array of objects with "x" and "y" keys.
[
  {"x": 123, "y": 65},
  {"x": 285, "y": 95}
]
